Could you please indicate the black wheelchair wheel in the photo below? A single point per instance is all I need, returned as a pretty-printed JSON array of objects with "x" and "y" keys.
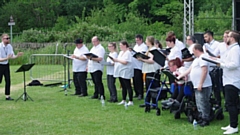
[{"x": 158, "y": 113}]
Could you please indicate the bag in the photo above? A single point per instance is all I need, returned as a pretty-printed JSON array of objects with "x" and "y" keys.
[{"x": 35, "y": 83}]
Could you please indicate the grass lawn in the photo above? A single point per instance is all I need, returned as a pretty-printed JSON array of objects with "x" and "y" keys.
[{"x": 54, "y": 113}]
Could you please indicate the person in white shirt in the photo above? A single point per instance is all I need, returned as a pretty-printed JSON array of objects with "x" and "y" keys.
[
  {"x": 190, "y": 41},
  {"x": 230, "y": 64},
  {"x": 95, "y": 68},
  {"x": 137, "y": 65},
  {"x": 123, "y": 69},
  {"x": 175, "y": 51},
  {"x": 158, "y": 45},
  {"x": 79, "y": 67},
  {"x": 178, "y": 43},
  {"x": 110, "y": 71},
  {"x": 6, "y": 53},
  {"x": 212, "y": 45},
  {"x": 202, "y": 84},
  {"x": 151, "y": 68}
]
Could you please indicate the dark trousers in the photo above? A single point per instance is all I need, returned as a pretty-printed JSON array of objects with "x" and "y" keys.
[
  {"x": 217, "y": 86},
  {"x": 138, "y": 82},
  {"x": 79, "y": 79},
  {"x": 178, "y": 93},
  {"x": 112, "y": 87},
  {"x": 5, "y": 71},
  {"x": 151, "y": 84},
  {"x": 126, "y": 87},
  {"x": 98, "y": 85},
  {"x": 232, "y": 101}
]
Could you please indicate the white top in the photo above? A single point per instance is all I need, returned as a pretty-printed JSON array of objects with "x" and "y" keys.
[
  {"x": 211, "y": 46},
  {"x": 221, "y": 49},
  {"x": 110, "y": 68},
  {"x": 150, "y": 68},
  {"x": 175, "y": 53},
  {"x": 179, "y": 44},
  {"x": 187, "y": 64},
  {"x": 139, "y": 48},
  {"x": 231, "y": 66},
  {"x": 121, "y": 70},
  {"x": 80, "y": 65},
  {"x": 94, "y": 65},
  {"x": 5, "y": 51},
  {"x": 195, "y": 73}
]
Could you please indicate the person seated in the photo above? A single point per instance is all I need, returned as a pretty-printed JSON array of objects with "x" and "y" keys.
[{"x": 175, "y": 66}]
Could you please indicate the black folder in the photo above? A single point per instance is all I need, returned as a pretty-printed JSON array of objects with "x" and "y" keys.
[
  {"x": 110, "y": 57},
  {"x": 91, "y": 55},
  {"x": 170, "y": 75},
  {"x": 143, "y": 56},
  {"x": 166, "y": 51},
  {"x": 158, "y": 57},
  {"x": 211, "y": 60},
  {"x": 186, "y": 53},
  {"x": 210, "y": 53}
]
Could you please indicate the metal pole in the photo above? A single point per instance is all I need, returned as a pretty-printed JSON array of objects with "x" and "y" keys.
[
  {"x": 233, "y": 15},
  {"x": 11, "y": 34}
]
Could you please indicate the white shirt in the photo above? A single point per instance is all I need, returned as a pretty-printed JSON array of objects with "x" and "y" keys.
[
  {"x": 231, "y": 66},
  {"x": 179, "y": 44},
  {"x": 5, "y": 51},
  {"x": 121, "y": 70},
  {"x": 187, "y": 64},
  {"x": 80, "y": 65},
  {"x": 150, "y": 68},
  {"x": 221, "y": 49},
  {"x": 211, "y": 46},
  {"x": 95, "y": 65},
  {"x": 175, "y": 53},
  {"x": 110, "y": 68},
  {"x": 196, "y": 72},
  {"x": 139, "y": 48}
]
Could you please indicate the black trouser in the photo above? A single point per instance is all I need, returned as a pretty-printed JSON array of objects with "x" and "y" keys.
[
  {"x": 138, "y": 82},
  {"x": 178, "y": 94},
  {"x": 112, "y": 87},
  {"x": 5, "y": 71},
  {"x": 126, "y": 87},
  {"x": 98, "y": 85},
  {"x": 217, "y": 86},
  {"x": 232, "y": 101},
  {"x": 153, "y": 83},
  {"x": 79, "y": 79}
]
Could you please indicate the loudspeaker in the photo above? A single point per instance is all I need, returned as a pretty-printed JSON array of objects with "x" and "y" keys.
[{"x": 199, "y": 38}]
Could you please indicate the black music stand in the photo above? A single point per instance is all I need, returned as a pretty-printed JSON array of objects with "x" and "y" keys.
[{"x": 24, "y": 68}]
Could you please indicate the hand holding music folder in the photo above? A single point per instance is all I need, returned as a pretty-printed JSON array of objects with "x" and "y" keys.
[
  {"x": 186, "y": 53},
  {"x": 69, "y": 57},
  {"x": 91, "y": 55},
  {"x": 138, "y": 54},
  {"x": 170, "y": 75},
  {"x": 214, "y": 61},
  {"x": 158, "y": 57}
]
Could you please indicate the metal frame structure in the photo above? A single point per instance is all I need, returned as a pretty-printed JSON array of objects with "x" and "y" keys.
[{"x": 188, "y": 20}]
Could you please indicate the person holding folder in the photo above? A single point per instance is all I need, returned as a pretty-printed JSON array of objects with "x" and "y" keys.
[
  {"x": 123, "y": 69},
  {"x": 79, "y": 67},
  {"x": 151, "y": 68},
  {"x": 110, "y": 71},
  {"x": 95, "y": 68}
]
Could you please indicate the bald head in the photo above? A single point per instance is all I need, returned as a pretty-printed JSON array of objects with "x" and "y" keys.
[{"x": 95, "y": 41}]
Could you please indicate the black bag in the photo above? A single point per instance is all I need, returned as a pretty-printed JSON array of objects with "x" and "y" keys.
[{"x": 35, "y": 83}]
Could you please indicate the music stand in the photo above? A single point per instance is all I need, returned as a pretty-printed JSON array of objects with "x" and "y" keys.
[{"x": 24, "y": 68}]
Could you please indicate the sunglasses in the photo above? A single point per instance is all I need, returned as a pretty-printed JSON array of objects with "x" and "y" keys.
[{"x": 7, "y": 38}]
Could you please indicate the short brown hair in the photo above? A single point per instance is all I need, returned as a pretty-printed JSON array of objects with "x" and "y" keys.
[{"x": 198, "y": 47}]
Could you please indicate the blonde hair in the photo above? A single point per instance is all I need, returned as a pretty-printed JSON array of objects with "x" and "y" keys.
[{"x": 4, "y": 34}]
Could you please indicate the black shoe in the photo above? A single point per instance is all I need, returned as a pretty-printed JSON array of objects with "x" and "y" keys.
[
  {"x": 83, "y": 95},
  {"x": 75, "y": 94},
  {"x": 142, "y": 105},
  {"x": 136, "y": 96},
  {"x": 204, "y": 123},
  {"x": 94, "y": 97},
  {"x": 140, "y": 97},
  {"x": 9, "y": 98}
]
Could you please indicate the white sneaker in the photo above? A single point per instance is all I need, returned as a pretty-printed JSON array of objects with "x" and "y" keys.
[
  {"x": 231, "y": 131},
  {"x": 130, "y": 103},
  {"x": 122, "y": 102},
  {"x": 225, "y": 128}
]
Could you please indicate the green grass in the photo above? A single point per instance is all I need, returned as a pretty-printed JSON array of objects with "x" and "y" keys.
[{"x": 53, "y": 113}]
